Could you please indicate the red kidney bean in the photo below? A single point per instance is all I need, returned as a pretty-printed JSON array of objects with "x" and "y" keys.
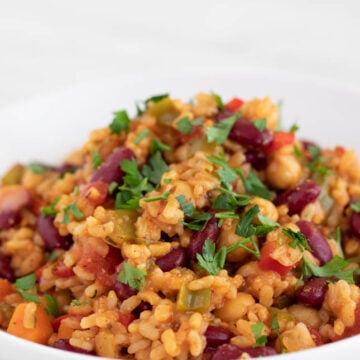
[
  {"x": 296, "y": 199},
  {"x": 64, "y": 344},
  {"x": 233, "y": 352},
  {"x": 256, "y": 158},
  {"x": 123, "y": 291},
  {"x": 101, "y": 188},
  {"x": 67, "y": 168},
  {"x": 142, "y": 307},
  {"x": 216, "y": 336},
  {"x": 110, "y": 171},
  {"x": 247, "y": 134},
  {"x": 12, "y": 200},
  {"x": 50, "y": 234},
  {"x": 316, "y": 240},
  {"x": 171, "y": 260},
  {"x": 6, "y": 270},
  {"x": 313, "y": 292},
  {"x": 355, "y": 224},
  {"x": 211, "y": 231}
]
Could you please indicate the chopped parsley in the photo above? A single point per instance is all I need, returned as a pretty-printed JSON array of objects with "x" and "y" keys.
[
  {"x": 220, "y": 131},
  {"x": 315, "y": 160},
  {"x": 132, "y": 276},
  {"x": 163, "y": 196},
  {"x": 355, "y": 206},
  {"x": 297, "y": 239},
  {"x": 37, "y": 168},
  {"x": 156, "y": 98},
  {"x": 185, "y": 126},
  {"x": 120, "y": 122},
  {"x": 227, "y": 175},
  {"x": 334, "y": 268},
  {"x": 112, "y": 187},
  {"x": 198, "y": 222},
  {"x": 245, "y": 228},
  {"x": 143, "y": 133},
  {"x": 52, "y": 257},
  {"x": 254, "y": 186},
  {"x": 72, "y": 208},
  {"x": 274, "y": 323},
  {"x": 260, "y": 124},
  {"x": 223, "y": 202},
  {"x": 187, "y": 207},
  {"x": 219, "y": 101},
  {"x": 156, "y": 145},
  {"x": 266, "y": 225},
  {"x": 76, "y": 302},
  {"x": 96, "y": 159},
  {"x": 50, "y": 210},
  {"x": 25, "y": 284},
  {"x": 298, "y": 153},
  {"x": 51, "y": 305},
  {"x": 234, "y": 198},
  {"x": 294, "y": 128},
  {"x": 257, "y": 330},
  {"x": 155, "y": 168}
]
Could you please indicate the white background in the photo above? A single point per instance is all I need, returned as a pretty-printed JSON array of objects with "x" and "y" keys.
[{"x": 48, "y": 45}]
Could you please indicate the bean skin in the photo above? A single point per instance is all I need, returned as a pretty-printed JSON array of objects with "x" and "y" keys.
[
  {"x": 247, "y": 134},
  {"x": 174, "y": 258},
  {"x": 233, "y": 352},
  {"x": 143, "y": 306},
  {"x": 50, "y": 234},
  {"x": 123, "y": 291},
  {"x": 296, "y": 199},
  {"x": 355, "y": 224},
  {"x": 316, "y": 240},
  {"x": 6, "y": 270},
  {"x": 216, "y": 336},
  {"x": 110, "y": 170},
  {"x": 313, "y": 292},
  {"x": 211, "y": 231}
]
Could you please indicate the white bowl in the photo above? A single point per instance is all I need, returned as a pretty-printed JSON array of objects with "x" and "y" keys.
[{"x": 47, "y": 128}]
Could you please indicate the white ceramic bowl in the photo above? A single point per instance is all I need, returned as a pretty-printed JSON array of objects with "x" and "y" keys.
[{"x": 49, "y": 127}]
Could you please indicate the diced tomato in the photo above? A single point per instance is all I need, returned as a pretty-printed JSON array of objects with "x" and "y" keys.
[
  {"x": 36, "y": 203},
  {"x": 315, "y": 334},
  {"x": 234, "y": 104},
  {"x": 280, "y": 139},
  {"x": 126, "y": 319},
  {"x": 61, "y": 270},
  {"x": 266, "y": 262},
  {"x": 40, "y": 270},
  {"x": 56, "y": 322}
]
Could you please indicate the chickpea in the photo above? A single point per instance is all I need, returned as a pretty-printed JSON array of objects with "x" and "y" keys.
[
  {"x": 266, "y": 207},
  {"x": 235, "y": 309},
  {"x": 283, "y": 171}
]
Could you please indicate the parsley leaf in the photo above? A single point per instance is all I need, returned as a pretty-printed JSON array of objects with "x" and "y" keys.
[
  {"x": 298, "y": 153},
  {"x": 128, "y": 196},
  {"x": 120, "y": 122},
  {"x": 73, "y": 208},
  {"x": 355, "y": 206},
  {"x": 27, "y": 283},
  {"x": 76, "y": 302},
  {"x": 52, "y": 257},
  {"x": 260, "y": 339},
  {"x": 187, "y": 207},
  {"x": 234, "y": 198},
  {"x": 163, "y": 196},
  {"x": 198, "y": 222},
  {"x": 208, "y": 260},
  {"x": 156, "y": 98},
  {"x": 294, "y": 128},
  {"x": 266, "y": 226},
  {"x": 244, "y": 227},
  {"x": 334, "y": 268},
  {"x": 274, "y": 323},
  {"x": 132, "y": 174},
  {"x": 220, "y": 131},
  {"x": 219, "y": 101},
  {"x": 156, "y": 167},
  {"x": 185, "y": 126},
  {"x": 50, "y": 210},
  {"x": 260, "y": 124},
  {"x": 227, "y": 175},
  {"x": 51, "y": 305},
  {"x": 297, "y": 239},
  {"x": 223, "y": 202},
  {"x": 254, "y": 186},
  {"x": 132, "y": 276},
  {"x": 156, "y": 145},
  {"x": 315, "y": 159},
  {"x": 143, "y": 133},
  {"x": 37, "y": 168},
  {"x": 96, "y": 159}
]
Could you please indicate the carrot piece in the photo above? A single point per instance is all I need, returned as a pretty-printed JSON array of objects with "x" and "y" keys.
[
  {"x": 39, "y": 331},
  {"x": 5, "y": 288}
]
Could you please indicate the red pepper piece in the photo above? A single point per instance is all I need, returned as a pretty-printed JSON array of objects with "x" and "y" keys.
[
  {"x": 234, "y": 104},
  {"x": 280, "y": 139},
  {"x": 266, "y": 262}
]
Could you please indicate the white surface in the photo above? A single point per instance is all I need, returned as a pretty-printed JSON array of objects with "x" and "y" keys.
[
  {"x": 52, "y": 125},
  {"x": 46, "y": 45}
]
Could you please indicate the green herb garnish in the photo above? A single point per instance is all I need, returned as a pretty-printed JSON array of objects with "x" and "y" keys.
[
  {"x": 155, "y": 168},
  {"x": 51, "y": 305},
  {"x": 227, "y": 175},
  {"x": 72, "y": 208},
  {"x": 220, "y": 131},
  {"x": 24, "y": 284},
  {"x": 187, "y": 207},
  {"x": 260, "y": 339},
  {"x": 143, "y": 133},
  {"x": 254, "y": 186},
  {"x": 198, "y": 221},
  {"x": 297, "y": 239},
  {"x": 132, "y": 276},
  {"x": 50, "y": 210},
  {"x": 156, "y": 98},
  {"x": 37, "y": 168},
  {"x": 120, "y": 122},
  {"x": 163, "y": 196},
  {"x": 96, "y": 159},
  {"x": 260, "y": 124},
  {"x": 156, "y": 145}
]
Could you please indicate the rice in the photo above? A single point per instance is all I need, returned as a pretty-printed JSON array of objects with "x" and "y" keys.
[{"x": 194, "y": 231}]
